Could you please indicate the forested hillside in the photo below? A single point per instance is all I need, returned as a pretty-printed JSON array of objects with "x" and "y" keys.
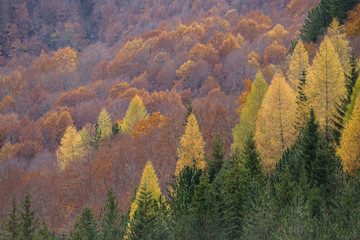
[{"x": 179, "y": 119}]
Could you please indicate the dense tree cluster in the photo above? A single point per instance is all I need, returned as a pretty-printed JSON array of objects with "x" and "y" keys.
[{"x": 127, "y": 127}]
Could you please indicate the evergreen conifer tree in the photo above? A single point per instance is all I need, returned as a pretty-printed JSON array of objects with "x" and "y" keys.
[
  {"x": 216, "y": 159},
  {"x": 252, "y": 160},
  {"x": 111, "y": 220},
  {"x": 13, "y": 225},
  {"x": 28, "y": 221}
]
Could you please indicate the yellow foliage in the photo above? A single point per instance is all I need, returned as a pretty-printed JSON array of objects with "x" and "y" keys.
[
  {"x": 299, "y": 63},
  {"x": 191, "y": 151},
  {"x": 336, "y": 33},
  {"x": 325, "y": 82},
  {"x": 104, "y": 122},
  {"x": 278, "y": 33},
  {"x": 275, "y": 129},
  {"x": 184, "y": 70},
  {"x": 65, "y": 60},
  {"x": 135, "y": 113},
  {"x": 71, "y": 147},
  {"x": 253, "y": 60},
  {"x": 7, "y": 151},
  {"x": 350, "y": 142},
  {"x": 149, "y": 182}
]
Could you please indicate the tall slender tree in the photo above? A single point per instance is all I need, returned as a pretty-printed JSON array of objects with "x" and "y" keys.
[
  {"x": 104, "y": 123},
  {"x": 275, "y": 130},
  {"x": 249, "y": 113},
  {"x": 28, "y": 220},
  {"x": 299, "y": 63},
  {"x": 191, "y": 151},
  {"x": 326, "y": 83},
  {"x": 135, "y": 113}
]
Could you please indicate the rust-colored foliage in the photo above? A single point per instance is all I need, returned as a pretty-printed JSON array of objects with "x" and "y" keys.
[{"x": 243, "y": 97}]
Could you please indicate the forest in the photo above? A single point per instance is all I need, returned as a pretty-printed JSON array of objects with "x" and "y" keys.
[{"x": 185, "y": 119}]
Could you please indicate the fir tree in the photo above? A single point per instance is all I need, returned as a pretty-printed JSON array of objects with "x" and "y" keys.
[{"x": 44, "y": 232}]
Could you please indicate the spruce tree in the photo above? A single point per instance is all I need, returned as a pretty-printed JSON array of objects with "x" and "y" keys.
[
  {"x": 28, "y": 221},
  {"x": 189, "y": 110},
  {"x": 216, "y": 160},
  {"x": 343, "y": 105},
  {"x": 302, "y": 107},
  {"x": 13, "y": 225},
  {"x": 111, "y": 220},
  {"x": 44, "y": 232},
  {"x": 85, "y": 226},
  {"x": 252, "y": 160}
]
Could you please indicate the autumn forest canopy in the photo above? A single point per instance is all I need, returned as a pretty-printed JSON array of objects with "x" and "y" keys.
[{"x": 198, "y": 119}]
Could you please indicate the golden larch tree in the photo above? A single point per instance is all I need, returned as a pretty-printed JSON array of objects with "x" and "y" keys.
[
  {"x": 135, "y": 113},
  {"x": 325, "y": 82},
  {"x": 249, "y": 113},
  {"x": 337, "y": 35},
  {"x": 299, "y": 63},
  {"x": 71, "y": 147},
  {"x": 350, "y": 143},
  {"x": 191, "y": 151},
  {"x": 150, "y": 183},
  {"x": 275, "y": 129},
  {"x": 104, "y": 122}
]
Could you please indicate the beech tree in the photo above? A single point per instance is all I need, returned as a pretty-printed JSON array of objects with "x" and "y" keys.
[
  {"x": 135, "y": 113},
  {"x": 275, "y": 129},
  {"x": 249, "y": 113},
  {"x": 350, "y": 142},
  {"x": 71, "y": 147},
  {"x": 299, "y": 63},
  {"x": 104, "y": 123},
  {"x": 191, "y": 151},
  {"x": 326, "y": 82}
]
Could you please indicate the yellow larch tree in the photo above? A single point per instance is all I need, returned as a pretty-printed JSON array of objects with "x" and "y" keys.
[
  {"x": 325, "y": 82},
  {"x": 337, "y": 35},
  {"x": 191, "y": 151},
  {"x": 249, "y": 113},
  {"x": 104, "y": 122},
  {"x": 149, "y": 183},
  {"x": 299, "y": 63},
  {"x": 275, "y": 129},
  {"x": 350, "y": 143},
  {"x": 135, "y": 113},
  {"x": 71, "y": 147}
]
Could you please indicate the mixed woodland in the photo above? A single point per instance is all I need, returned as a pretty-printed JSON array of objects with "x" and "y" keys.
[{"x": 185, "y": 119}]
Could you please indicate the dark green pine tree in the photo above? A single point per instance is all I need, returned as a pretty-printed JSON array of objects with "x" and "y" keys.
[
  {"x": 189, "y": 111},
  {"x": 252, "y": 160},
  {"x": 143, "y": 222},
  {"x": 28, "y": 221},
  {"x": 342, "y": 107},
  {"x": 113, "y": 224},
  {"x": 215, "y": 162},
  {"x": 85, "y": 226},
  {"x": 13, "y": 226}
]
